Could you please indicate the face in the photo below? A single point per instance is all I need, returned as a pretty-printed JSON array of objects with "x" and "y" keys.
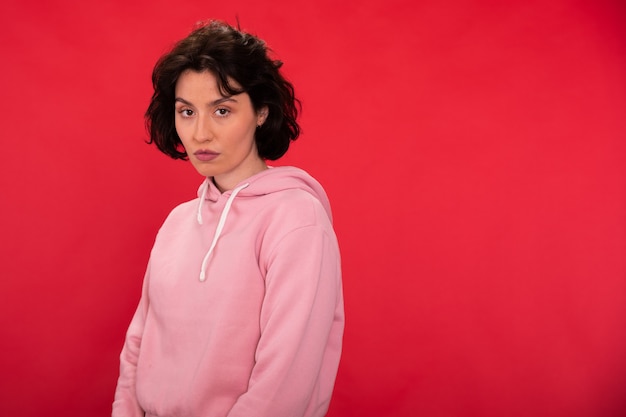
[{"x": 217, "y": 132}]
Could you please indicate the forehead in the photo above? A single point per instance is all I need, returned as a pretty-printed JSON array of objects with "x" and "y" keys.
[{"x": 192, "y": 82}]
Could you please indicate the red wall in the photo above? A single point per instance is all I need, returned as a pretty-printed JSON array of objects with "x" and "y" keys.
[{"x": 474, "y": 153}]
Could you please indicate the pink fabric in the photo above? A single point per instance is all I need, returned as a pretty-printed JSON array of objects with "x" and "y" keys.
[{"x": 262, "y": 335}]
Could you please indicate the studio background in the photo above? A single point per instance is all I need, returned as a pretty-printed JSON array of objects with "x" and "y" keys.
[{"x": 473, "y": 152}]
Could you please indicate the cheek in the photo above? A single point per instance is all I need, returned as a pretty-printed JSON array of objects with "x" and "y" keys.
[
  {"x": 182, "y": 133},
  {"x": 177, "y": 126},
  {"x": 247, "y": 131}
]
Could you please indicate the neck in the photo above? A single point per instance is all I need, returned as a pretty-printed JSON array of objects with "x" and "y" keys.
[{"x": 225, "y": 184}]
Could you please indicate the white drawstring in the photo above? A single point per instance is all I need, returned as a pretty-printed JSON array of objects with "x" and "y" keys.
[
  {"x": 220, "y": 224},
  {"x": 205, "y": 187}
]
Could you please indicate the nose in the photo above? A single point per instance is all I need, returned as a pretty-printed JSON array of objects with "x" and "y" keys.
[{"x": 203, "y": 130}]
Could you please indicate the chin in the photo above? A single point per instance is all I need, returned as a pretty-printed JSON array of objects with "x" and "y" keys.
[{"x": 205, "y": 172}]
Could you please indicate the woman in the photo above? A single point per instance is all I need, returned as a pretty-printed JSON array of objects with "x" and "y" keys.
[{"x": 241, "y": 312}]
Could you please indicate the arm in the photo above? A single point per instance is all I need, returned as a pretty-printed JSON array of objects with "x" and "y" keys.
[
  {"x": 125, "y": 403},
  {"x": 301, "y": 329}
]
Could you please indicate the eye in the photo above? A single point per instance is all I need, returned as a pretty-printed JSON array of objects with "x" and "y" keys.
[
  {"x": 222, "y": 112},
  {"x": 186, "y": 112}
]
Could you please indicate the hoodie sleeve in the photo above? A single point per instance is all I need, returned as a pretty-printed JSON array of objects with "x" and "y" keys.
[
  {"x": 125, "y": 403},
  {"x": 301, "y": 329}
]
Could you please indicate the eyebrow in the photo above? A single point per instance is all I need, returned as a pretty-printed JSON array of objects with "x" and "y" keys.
[{"x": 213, "y": 103}]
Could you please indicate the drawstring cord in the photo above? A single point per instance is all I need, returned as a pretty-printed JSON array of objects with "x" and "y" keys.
[
  {"x": 220, "y": 224},
  {"x": 205, "y": 187}
]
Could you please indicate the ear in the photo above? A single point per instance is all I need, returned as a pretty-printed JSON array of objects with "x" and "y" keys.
[{"x": 262, "y": 115}]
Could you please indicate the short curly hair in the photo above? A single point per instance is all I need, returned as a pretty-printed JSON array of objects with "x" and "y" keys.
[{"x": 229, "y": 54}]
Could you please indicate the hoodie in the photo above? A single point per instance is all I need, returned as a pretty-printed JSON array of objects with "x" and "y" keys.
[{"x": 241, "y": 312}]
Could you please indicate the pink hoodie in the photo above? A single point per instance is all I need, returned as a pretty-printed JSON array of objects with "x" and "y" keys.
[{"x": 241, "y": 313}]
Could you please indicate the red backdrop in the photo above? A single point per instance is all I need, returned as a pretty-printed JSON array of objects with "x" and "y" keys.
[{"x": 474, "y": 153}]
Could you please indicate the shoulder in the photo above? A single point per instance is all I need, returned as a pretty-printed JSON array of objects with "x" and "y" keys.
[
  {"x": 295, "y": 208},
  {"x": 184, "y": 209},
  {"x": 181, "y": 216},
  {"x": 293, "y": 218}
]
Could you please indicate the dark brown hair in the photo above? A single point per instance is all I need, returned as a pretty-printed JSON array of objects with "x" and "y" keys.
[{"x": 228, "y": 53}]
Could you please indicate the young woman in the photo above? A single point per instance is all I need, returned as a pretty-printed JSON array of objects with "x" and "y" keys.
[{"x": 241, "y": 313}]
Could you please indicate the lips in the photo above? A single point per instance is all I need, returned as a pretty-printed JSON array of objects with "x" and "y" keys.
[{"x": 205, "y": 155}]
